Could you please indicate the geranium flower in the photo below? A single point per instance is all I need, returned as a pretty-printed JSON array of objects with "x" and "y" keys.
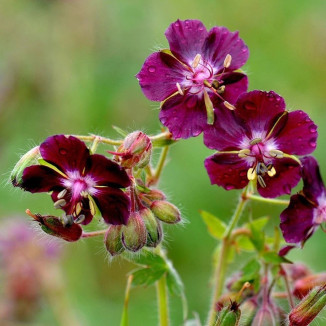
[
  {"x": 79, "y": 181},
  {"x": 307, "y": 210},
  {"x": 257, "y": 142},
  {"x": 196, "y": 75}
]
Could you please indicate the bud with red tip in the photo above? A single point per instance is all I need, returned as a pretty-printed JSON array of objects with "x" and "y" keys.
[
  {"x": 229, "y": 316},
  {"x": 153, "y": 227},
  {"x": 113, "y": 241},
  {"x": 305, "y": 284},
  {"x": 166, "y": 212}
]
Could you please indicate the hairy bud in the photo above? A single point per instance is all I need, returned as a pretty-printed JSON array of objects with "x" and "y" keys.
[
  {"x": 264, "y": 317},
  {"x": 248, "y": 311},
  {"x": 166, "y": 212},
  {"x": 153, "y": 227},
  {"x": 229, "y": 316},
  {"x": 113, "y": 241},
  {"x": 134, "y": 234},
  {"x": 305, "y": 284}
]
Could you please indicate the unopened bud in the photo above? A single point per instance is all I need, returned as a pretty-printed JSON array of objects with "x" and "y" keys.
[
  {"x": 153, "y": 195},
  {"x": 26, "y": 160},
  {"x": 248, "y": 311},
  {"x": 264, "y": 317},
  {"x": 112, "y": 240},
  {"x": 229, "y": 316},
  {"x": 153, "y": 227},
  {"x": 134, "y": 234},
  {"x": 166, "y": 212},
  {"x": 306, "y": 311},
  {"x": 305, "y": 284},
  {"x": 53, "y": 225}
]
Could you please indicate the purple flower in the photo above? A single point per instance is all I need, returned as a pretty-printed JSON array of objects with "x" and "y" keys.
[
  {"x": 197, "y": 74},
  {"x": 307, "y": 210},
  {"x": 257, "y": 142},
  {"x": 79, "y": 181}
]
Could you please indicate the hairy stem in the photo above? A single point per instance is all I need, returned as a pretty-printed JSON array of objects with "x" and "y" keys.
[
  {"x": 100, "y": 139},
  {"x": 159, "y": 168},
  {"x": 163, "y": 304},
  {"x": 125, "y": 317},
  {"x": 269, "y": 200}
]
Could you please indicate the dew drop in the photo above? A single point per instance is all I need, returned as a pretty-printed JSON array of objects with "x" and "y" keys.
[
  {"x": 243, "y": 182},
  {"x": 230, "y": 170},
  {"x": 299, "y": 124},
  {"x": 312, "y": 143},
  {"x": 248, "y": 105},
  {"x": 225, "y": 175},
  {"x": 200, "y": 28},
  {"x": 300, "y": 139},
  {"x": 287, "y": 189},
  {"x": 243, "y": 173},
  {"x": 271, "y": 97},
  {"x": 151, "y": 69},
  {"x": 62, "y": 151},
  {"x": 229, "y": 187},
  {"x": 313, "y": 129}
]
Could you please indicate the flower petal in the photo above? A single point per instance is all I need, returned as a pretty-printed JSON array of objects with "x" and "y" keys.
[
  {"x": 297, "y": 220},
  {"x": 185, "y": 116},
  {"x": 113, "y": 204},
  {"x": 38, "y": 178},
  {"x": 287, "y": 176},
  {"x": 313, "y": 185},
  {"x": 260, "y": 110},
  {"x": 66, "y": 153},
  {"x": 186, "y": 39},
  {"x": 299, "y": 134},
  {"x": 219, "y": 43},
  {"x": 227, "y": 170},
  {"x": 159, "y": 75},
  {"x": 105, "y": 172}
]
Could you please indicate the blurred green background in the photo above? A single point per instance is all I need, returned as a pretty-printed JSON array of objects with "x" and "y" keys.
[{"x": 69, "y": 67}]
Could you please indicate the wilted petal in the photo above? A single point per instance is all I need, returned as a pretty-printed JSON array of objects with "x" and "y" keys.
[
  {"x": 220, "y": 42},
  {"x": 227, "y": 170},
  {"x": 186, "y": 39},
  {"x": 297, "y": 220},
  {"x": 159, "y": 75},
  {"x": 66, "y": 153}
]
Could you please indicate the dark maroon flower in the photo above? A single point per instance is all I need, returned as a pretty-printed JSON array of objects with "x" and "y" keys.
[
  {"x": 197, "y": 74},
  {"x": 307, "y": 210},
  {"x": 257, "y": 142},
  {"x": 79, "y": 181}
]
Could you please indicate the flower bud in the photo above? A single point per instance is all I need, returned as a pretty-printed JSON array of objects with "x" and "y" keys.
[
  {"x": 153, "y": 227},
  {"x": 113, "y": 241},
  {"x": 229, "y": 316},
  {"x": 248, "y": 311},
  {"x": 53, "y": 225},
  {"x": 306, "y": 311},
  {"x": 154, "y": 194},
  {"x": 264, "y": 317},
  {"x": 305, "y": 284},
  {"x": 166, "y": 212},
  {"x": 134, "y": 234},
  {"x": 26, "y": 160}
]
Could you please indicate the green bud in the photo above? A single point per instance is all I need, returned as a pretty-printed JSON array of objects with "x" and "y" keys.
[
  {"x": 113, "y": 241},
  {"x": 306, "y": 311},
  {"x": 153, "y": 227},
  {"x": 134, "y": 234},
  {"x": 26, "y": 160},
  {"x": 166, "y": 212},
  {"x": 229, "y": 316},
  {"x": 248, "y": 309},
  {"x": 155, "y": 194}
]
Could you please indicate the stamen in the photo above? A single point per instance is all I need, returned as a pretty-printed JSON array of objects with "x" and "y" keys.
[
  {"x": 215, "y": 84},
  {"x": 179, "y": 89},
  {"x": 221, "y": 90},
  {"x": 206, "y": 83},
  {"x": 261, "y": 181},
  {"x": 276, "y": 153},
  {"x": 92, "y": 207},
  {"x": 209, "y": 108},
  {"x": 244, "y": 153},
  {"x": 196, "y": 60},
  {"x": 227, "y": 61},
  {"x": 67, "y": 220},
  {"x": 229, "y": 105},
  {"x": 59, "y": 203},
  {"x": 251, "y": 174},
  {"x": 62, "y": 193},
  {"x": 271, "y": 172},
  {"x": 80, "y": 219},
  {"x": 78, "y": 208},
  {"x": 255, "y": 141}
]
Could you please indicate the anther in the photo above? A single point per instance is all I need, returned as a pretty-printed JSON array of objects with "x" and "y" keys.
[
  {"x": 255, "y": 141},
  {"x": 227, "y": 61},
  {"x": 276, "y": 153},
  {"x": 78, "y": 208},
  {"x": 196, "y": 60},
  {"x": 215, "y": 84},
  {"x": 92, "y": 207},
  {"x": 271, "y": 172},
  {"x": 62, "y": 193},
  {"x": 261, "y": 181},
  {"x": 80, "y": 219},
  {"x": 221, "y": 90},
  {"x": 244, "y": 153},
  {"x": 59, "y": 203},
  {"x": 251, "y": 174},
  {"x": 179, "y": 89},
  {"x": 67, "y": 220},
  {"x": 229, "y": 105}
]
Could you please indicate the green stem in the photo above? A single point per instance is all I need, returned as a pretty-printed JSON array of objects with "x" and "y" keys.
[
  {"x": 101, "y": 139},
  {"x": 269, "y": 200},
  {"x": 162, "y": 298},
  {"x": 125, "y": 317},
  {"x": 221, "y": 266},
  {"x": 159, "y": 168}
]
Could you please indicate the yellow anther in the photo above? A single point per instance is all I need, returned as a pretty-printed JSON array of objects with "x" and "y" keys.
[
  {"x": 209, "y": 108},
  {"x": 92, "y": 206},
  {"x": 261, "y": 181},
  {"x": 271, "y": 172},
  {"x": 244, "y": 153},
  {"x": 196, "y": 60},
  {"x": 221, "y": 90},
  {"x": 276, "y": 153},
  {"x": 227, "y": 61},
  {"x": 229, "y": 105},
  {"x": 251, "y": 174},
  {"x": 59, "y": 203},
  {"x": 78, "y": 208},
  {"x": 80, "y": 219},
  {"x": 62, "y": 193},
  {"x": 216, "y": 84},
  {"x": 180, "y": 91},
  {"x": 255, "y": 141}
]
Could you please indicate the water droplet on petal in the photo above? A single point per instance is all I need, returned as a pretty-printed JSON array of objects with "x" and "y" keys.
[
  {"x": 287, "y": 189},
  {"x": 243, "y": 173},
  {"x": 313, "y": 129},
  {"x": 312, "y": 143},
  {"x": 62, "y": 151},
  {"x": 226, "y": 175},
  {"x": 229, "y": 187},
  {"x": 151, "y": 69},
  {"x": 248, "y": 105}
]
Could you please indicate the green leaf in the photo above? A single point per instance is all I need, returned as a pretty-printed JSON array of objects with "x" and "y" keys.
[
  {"x": 259, "y": 223},
  {"x": 273, "y": 258},
  {"x": 257, "y": 237},
  {"x": 147, "y": 258},
  {"x": 174, "y": 282},
  {"x": 244, "y": 243},
  {"x": 147, "y": 276},
  {"x": 215, "y": 226}
]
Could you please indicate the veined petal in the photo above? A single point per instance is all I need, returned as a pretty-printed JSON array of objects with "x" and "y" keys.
[
  {"x": 66, "y": 153},
  {"x": 219, "y": 43},
  {"x": 186, "y": 39},
  {"x": 38, "y": 178},
  {"x": 287, "y": 176},
  {"x": 184, "y": 115},
  {"x": 159, "y": 76},
  {"x": 227, "y": 170},
  {"x": 113, "y": 204},
  {"x": 297, "y": 220}
]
